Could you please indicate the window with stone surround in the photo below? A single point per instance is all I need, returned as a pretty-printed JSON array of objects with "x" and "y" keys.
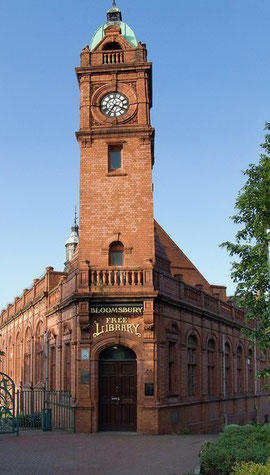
[
  {"x": 40, "y": 353},
  {"x": 115, "y": 157},
  {"x": 250, "y": 371},
  {"x": 52, "y": 360},
  {"x": 27, "y": 356},
  {"x": 228, "y": 370},
  {"x": 18, "y": 359},
  {"x": 67, "y": 367},
  {"x": 10, "y": 358},
  {"x": 116, "y": 254},
  {"x": 171, "y": 367},
  {"x": 240, "y": 374},
  {"x": 192, "y": 345},
  {"x": 211, "y": 363}
]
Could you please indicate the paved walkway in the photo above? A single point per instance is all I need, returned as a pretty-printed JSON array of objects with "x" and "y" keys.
[{"x": 43, "y": 453}]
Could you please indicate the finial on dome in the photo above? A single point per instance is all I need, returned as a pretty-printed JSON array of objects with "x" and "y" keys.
[
  {"x": 75, "y": 217},
  {"x": 114, "y": 15}
]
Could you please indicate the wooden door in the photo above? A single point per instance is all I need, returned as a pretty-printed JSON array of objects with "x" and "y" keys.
[{"x": 118, "y": 396}]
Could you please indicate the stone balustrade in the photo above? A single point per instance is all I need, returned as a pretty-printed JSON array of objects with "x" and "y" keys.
[{"x": 119, "y": 277}]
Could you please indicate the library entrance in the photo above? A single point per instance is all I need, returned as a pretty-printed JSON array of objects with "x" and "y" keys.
[{"x": 117, "y": 389}]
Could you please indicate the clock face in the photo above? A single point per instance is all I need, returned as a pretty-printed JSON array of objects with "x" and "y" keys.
[{"x": 114, "y": 104}]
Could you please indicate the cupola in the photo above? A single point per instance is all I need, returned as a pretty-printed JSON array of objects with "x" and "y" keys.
[
  {"x": 72, "y": 241},
  {"x": 114, "y": 17}
]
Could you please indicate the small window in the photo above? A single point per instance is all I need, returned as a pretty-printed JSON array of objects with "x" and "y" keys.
[
  {"x": 115, "y": 158},
  {"x": 116, "y": 255}
]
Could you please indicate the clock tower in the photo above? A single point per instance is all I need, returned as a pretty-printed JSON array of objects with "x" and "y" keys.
[
  {"x": 116, "y": 152},
  {"x": 116, "y": 250}
]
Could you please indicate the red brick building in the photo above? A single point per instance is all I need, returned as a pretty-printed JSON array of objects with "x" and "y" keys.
[{"x": 131, "y": 327}]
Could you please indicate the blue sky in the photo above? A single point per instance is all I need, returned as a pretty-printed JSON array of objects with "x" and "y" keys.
[{"x": 211, "y": 99}]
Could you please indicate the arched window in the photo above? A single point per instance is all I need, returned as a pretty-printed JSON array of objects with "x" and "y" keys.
[
  {"x": 39, "y": 353},
  {"x": 117, "y": 353},
  {"x": 240, "y": 375},
  {"x": 116, "y": 254},
  {"x": 172, "y": 366},
  {"x": 10, "y": 358},
  {"x": 2, "y": 359},
  {"x": 18, "y": 359},
  {"x": 228, "y": 370},
  {"x": 262, "y": 364},
  {"x": 67, "y": 366},
  {"x": 192, "y": 345},
  {"x": 27, "y": 357},
  {"x": 250, "y": 371},
  {"x": 112, "y": 45},
  {"x": 52, "y": 361},
  {"x": 211, "y": 346}
]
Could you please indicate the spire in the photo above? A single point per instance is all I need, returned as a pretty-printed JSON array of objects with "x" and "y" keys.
[
  {"x": 72, "y": 241},
  {"x": 75, "y": 226},
  {"x": 114, "y": 15}
]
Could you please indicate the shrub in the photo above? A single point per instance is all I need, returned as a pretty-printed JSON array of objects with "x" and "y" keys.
[
  {"x": 248, "y": 443},
  {"x": 251, "y": 468}
]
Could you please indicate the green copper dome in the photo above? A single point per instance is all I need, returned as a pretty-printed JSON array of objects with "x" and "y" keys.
[{"x": 126, "y": 32}]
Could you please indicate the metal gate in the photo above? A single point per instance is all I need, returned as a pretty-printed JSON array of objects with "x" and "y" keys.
[
  {"x": 34, "y": 409},
  {"x": 46, "y": 410},
  {"x": 7, "y": 404}
]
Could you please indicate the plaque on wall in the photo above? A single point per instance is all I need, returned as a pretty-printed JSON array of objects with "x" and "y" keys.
[
  {"x": 149, "y": 389},
  {"x": 85, "y": 377},
  {"x": 85, "y": 353}
]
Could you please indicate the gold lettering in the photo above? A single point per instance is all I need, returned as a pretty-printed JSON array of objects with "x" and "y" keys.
[
  {"x": 136, "y": 326},
  {"x": 130, "y": 310},
  {"x": 97, "y": 332},
  {"x": 116, "y": 324}
]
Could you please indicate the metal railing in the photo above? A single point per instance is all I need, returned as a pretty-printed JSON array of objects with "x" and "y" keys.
[{"x": 47, "y": 410}]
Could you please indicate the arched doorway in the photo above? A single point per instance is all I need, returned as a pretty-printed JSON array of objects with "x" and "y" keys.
[{"x": 117, "y": 389}]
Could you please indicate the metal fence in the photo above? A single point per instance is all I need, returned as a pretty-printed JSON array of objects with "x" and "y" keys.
[{"x": 47, "y": 410}]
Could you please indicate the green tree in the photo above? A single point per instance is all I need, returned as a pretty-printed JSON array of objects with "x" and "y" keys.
[{"x": 250, "y": 269}]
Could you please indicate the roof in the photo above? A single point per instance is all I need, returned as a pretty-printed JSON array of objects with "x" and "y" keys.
[{"x": 179, "y": 262}]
